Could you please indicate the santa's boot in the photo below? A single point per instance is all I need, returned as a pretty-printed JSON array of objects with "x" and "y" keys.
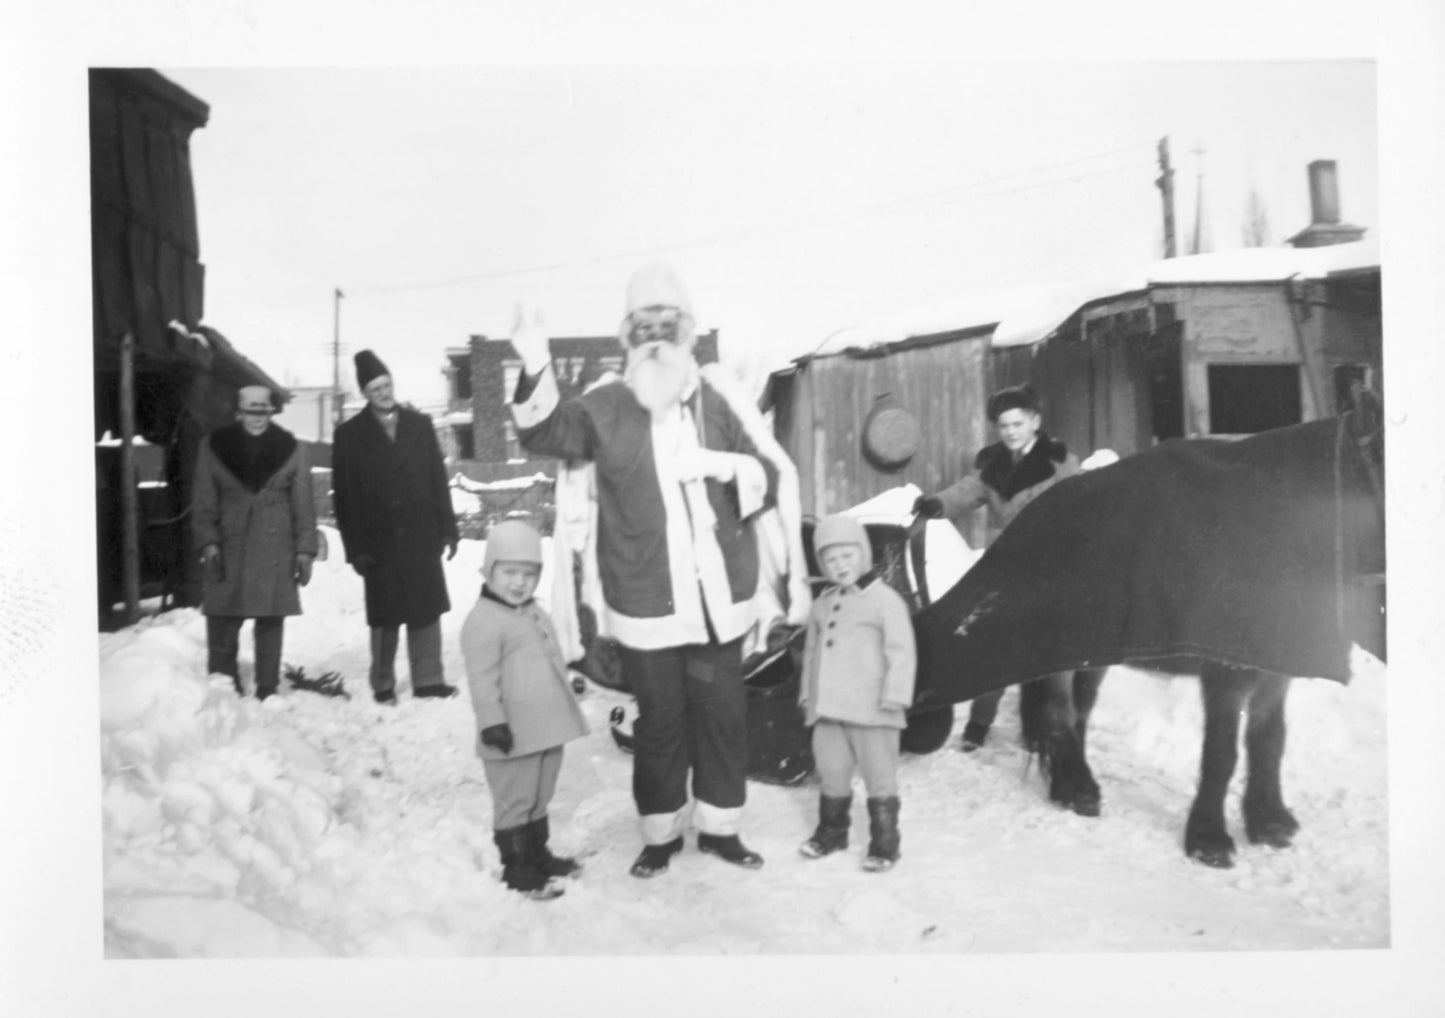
[
  {"x": 519, "y": 871},
  {"x": 549, "y": 864},
  {"x": 730, "y": 848},
  {"x": 832, "y": 833},
  {"x": 883, "y": 831}
]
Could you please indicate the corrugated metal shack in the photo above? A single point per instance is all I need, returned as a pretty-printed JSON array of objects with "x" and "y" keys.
[{"x": 159, "y": 373}]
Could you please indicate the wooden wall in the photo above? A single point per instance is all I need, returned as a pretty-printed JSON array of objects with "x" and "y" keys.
[{"x": 820, "y": 413}]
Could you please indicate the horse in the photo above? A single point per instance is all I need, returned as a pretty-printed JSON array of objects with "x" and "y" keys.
[{"x": 1245, "y": 562}]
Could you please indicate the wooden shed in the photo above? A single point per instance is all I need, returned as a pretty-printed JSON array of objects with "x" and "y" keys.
[
  {"x": 1221, "y": 345},
  {"x": 158, "y": 373},
  {"x": 823, "y": 405}
]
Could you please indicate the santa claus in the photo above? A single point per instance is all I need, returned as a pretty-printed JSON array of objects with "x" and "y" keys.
[{"x": 682, "y": 467}]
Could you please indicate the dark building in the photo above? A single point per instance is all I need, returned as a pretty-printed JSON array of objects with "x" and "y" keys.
[{"x": 147, "y": 291}]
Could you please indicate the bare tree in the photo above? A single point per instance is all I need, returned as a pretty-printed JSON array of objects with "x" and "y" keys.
[{"x": 1255, "y": 229}]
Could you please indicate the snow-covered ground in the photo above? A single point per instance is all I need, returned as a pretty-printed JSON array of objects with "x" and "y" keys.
[{"x": 312, "y": 826}]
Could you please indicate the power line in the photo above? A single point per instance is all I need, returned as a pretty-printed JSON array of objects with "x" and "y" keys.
[{"x": 916, "y": 203}]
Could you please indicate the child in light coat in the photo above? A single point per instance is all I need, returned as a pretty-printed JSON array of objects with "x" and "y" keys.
[
  {"x": 858, "y": 672},
  {"x": 524, "y": 704}
]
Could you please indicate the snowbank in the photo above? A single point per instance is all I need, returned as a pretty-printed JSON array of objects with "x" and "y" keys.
[{"x": 316, "y": 826}]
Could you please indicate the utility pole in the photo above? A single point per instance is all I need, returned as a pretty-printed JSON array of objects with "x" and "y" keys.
[
  {"x": 1197, "y": 243},
  {"x": 336, "y": 362},
  {"x": 1165, "y": 183}
]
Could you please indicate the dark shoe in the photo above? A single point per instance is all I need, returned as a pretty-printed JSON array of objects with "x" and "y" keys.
[
  {"x": 552, "y": 865},
  {"x": 262, "y": 694},
  {"x": 974, "y": 736},
  {"x": 440, "y": 691},
  {"x": 883, "y": 834},
  {"x": 730, "y": 848},
  {"x": 385, "y": 696},
  {"x": 832, "y": 833},
  {"x": 519, "y": 871},
  {"x": 654, "y": 858}
]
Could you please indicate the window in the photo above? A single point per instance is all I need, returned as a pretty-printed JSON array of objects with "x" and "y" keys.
[
  {"x": 465, "y": 441},
  {"x": 1249, "y": 398},
  {"x": 514, "y": 448},
  {"x": 461, "y": 372}
]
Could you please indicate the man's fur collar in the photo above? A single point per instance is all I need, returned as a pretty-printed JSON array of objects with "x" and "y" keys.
[
  {"x": 252, "y": 459},
  {"x": 997, "y": 469}
]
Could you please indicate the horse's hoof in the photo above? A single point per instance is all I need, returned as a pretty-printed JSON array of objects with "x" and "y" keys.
[
  {"x": 1275, "y": 829},
  {"x": 1218, "y": 857},
  {"x": 1275, "y": 835},
  {"x": 1085, "y": 802}
]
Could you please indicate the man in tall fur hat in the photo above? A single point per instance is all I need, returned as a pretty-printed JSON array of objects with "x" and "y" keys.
[
  {"x": 681, "y": 465},
  {"x": 255, "y": 532},
  {"x": 394, "y": 511}
]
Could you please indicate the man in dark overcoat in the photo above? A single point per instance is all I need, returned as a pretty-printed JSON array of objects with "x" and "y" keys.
[
  {"x": 394, "y": 511},
  {"x": 255, "y": 533}
]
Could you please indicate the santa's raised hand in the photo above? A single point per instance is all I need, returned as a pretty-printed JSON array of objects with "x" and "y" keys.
[{"x": 529, "y": 338}]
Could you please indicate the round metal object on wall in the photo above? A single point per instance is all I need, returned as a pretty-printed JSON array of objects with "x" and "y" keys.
[{"x": 891, "y": 435}]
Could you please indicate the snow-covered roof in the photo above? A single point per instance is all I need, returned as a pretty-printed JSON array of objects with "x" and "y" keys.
[
  {"x": 465, "y": 483},
  {"x": 1028, "y": 314}
]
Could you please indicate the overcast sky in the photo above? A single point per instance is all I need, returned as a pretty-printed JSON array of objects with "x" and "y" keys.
[{"x": 795, "y": 199}]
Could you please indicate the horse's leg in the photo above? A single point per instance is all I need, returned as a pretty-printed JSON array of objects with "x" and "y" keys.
[
  {"x": 1071, "y": 783},
  {"x": 1206, "y": 837},
  {"x": 1034, "y": 716},
  {"x": 1267, "y": 820},
  {"x": 1086, "y": 694}
]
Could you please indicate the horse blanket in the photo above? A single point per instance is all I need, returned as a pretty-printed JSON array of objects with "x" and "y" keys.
[{"x": 1263, "y": 552}]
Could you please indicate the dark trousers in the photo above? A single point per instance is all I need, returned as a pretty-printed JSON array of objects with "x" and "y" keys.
[
  {"x": 983, "y": 709},
  {"x": 223, "y": 643},
  {"x": 691, "y": 715},
  {"x": 423, "y": 650}
]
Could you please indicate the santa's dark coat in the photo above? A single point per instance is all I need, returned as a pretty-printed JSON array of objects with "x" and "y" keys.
[
  {"x": 1267, "y": 552},
  {"x": 252, "y": 500},
  {"x": 393, "y": 503}
]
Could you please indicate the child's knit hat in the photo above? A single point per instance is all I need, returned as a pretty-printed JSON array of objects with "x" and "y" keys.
[
  {"x": 512, "y": 541},
  {"x": 841, "y": 528}
]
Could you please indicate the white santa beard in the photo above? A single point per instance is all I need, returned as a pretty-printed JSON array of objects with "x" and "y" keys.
[{"x": 660, "y": 375}]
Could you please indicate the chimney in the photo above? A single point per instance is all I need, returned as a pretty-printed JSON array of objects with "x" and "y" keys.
[
  {"x": 1326, "y": 227},
  {"x": 1324, "y": 193}
]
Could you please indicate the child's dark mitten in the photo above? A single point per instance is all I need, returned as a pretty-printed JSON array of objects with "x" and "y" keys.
[{"x": 498, "y": 737}]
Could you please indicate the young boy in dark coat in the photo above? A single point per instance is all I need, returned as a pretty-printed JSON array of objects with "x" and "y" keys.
[
  {"x": 1007, "y": 475},
  {"x": 859, "y": 662},
  {"x": 524, "y": 704}
]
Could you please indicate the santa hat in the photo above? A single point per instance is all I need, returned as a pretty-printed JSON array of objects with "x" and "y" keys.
[
  {"x": 368, "y": 368},
  {"x": 512, "y": 541},
  {"x": 656, "y": 285},
  {"x": 842, "y": 529}
]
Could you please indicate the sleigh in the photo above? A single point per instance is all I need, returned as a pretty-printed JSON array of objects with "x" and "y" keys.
[{"x": 779, "y": 744}]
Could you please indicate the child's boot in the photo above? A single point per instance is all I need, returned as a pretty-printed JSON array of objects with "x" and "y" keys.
[
  {"x": 550, "y": 865},
  {"x": 832, "y": 833},
  {"x": 883, "y": 831},
  {"x": 519, "y": 871}
]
